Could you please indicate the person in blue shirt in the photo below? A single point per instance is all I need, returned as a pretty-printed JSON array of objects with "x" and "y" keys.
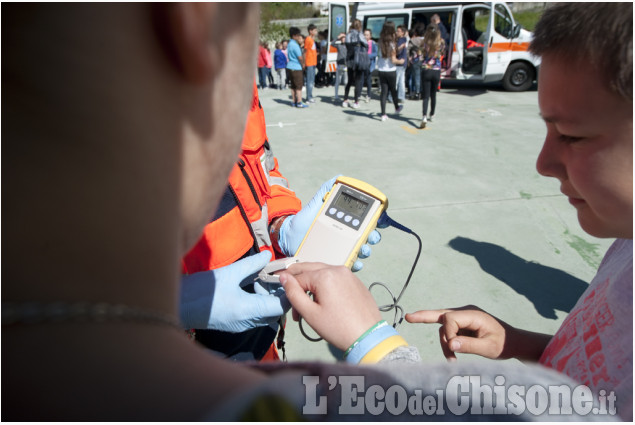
[
  {"x": 296, "y": 67},
  {"x": 280, "y": 64}
]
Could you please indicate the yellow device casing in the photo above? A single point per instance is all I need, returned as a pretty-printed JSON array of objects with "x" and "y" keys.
[{"x": 349, "y": 213}]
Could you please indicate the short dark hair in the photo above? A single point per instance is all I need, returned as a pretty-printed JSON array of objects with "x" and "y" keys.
[
  {"x": 293, "y": 31},
  {"x": 599, "y": 34},
  {"x": 311, "y": 27}
]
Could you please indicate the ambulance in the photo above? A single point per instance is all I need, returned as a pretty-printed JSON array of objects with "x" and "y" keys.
[{"x": 483, "y": 42}]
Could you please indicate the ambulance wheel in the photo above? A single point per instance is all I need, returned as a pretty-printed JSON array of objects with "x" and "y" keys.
[{"x": 518, "y": 77}]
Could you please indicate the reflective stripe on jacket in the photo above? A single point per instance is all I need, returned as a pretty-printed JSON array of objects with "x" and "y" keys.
[{"x": 256, "y": 195}]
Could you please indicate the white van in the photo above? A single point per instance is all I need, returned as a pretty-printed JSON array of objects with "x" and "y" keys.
[{"x": 483, "y": 42}]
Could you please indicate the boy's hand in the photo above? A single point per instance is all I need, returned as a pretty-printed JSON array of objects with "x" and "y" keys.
[{"x": 466, "y": 330}]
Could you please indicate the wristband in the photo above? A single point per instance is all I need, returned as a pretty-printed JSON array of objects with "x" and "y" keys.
[
  {"x": 371, "y": 340},
  {"x": 383, "y": 348},
  {"x": 274, "y": 232},
  {"x": 353, "y": 345}
]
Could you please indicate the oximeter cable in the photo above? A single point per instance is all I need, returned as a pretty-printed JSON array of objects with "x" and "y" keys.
[{"x": 383, "y": 222}]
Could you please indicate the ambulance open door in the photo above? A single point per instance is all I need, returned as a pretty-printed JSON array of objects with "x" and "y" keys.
[
  {"x": 338, "y": 23},
  {"x": 476, "y": 21}
]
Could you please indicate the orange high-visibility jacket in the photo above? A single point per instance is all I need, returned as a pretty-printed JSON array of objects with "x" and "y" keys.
[{"x": 256, "y": 195}]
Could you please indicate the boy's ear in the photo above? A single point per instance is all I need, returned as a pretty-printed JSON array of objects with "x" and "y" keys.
[{"x": 184, "y": 30}]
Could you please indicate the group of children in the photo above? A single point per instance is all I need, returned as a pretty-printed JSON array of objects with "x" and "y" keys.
[
  {"x": 419, "y": 54},
  {"x": 313, "y": 48}
]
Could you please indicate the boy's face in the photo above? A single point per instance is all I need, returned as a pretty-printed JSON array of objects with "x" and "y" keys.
[
  {"x": 399, "y": 33},
  {"x": 589, "y": 145}
]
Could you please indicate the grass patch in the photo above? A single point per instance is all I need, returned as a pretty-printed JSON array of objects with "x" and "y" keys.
[{"x": 528, "y": 18}]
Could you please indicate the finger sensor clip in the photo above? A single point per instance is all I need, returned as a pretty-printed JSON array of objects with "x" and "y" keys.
[{"x": 267, "y": 274}]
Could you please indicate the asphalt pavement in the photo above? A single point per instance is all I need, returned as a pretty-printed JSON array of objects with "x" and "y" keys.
[{"x": 495, "y": 233}]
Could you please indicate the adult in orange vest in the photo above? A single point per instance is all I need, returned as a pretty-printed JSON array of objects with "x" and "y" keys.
[{"x": 259, "y": 219}]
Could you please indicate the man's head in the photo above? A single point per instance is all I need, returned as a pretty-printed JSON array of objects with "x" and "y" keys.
[
  {"x": 585, "y": 99},
  {"x": 312, "y": 30},
  {"x": 435, "y": 19},
  {"x": 134, "y": 139}
]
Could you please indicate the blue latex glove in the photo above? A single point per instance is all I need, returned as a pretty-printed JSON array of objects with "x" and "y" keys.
[
  {"x": 215, "y": 299},
  {"x": 294, "y": 228}
]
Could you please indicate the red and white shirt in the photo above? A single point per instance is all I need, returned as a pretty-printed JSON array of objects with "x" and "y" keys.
[{"x": 594, "y": 344}]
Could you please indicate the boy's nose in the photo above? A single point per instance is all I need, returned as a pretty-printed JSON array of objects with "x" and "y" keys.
[{"x": 549, "y": 163}]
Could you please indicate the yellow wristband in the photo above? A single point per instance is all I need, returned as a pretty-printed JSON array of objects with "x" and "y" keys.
[{"x": 383, "y": 348}]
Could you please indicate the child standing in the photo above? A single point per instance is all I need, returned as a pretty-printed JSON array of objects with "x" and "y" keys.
[
  {"x": 432, "y": 51},
  {"x": 280, "y": 63},
  {"x": 296, "y": 67},
  {"x": 387, "y": 67},
  {"x": 340, "y": 72}
]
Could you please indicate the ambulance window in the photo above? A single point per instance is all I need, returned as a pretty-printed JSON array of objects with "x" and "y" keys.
[
  {"x": 338, "y": 20},
  {"x": 482, "y": 23},
  {"x": 503, "y": 22},
  {"x": 376, "y": 23}
]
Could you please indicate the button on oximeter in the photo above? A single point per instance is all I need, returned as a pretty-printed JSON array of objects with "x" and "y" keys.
[
  {"x": 340, "y": 214},
  {"x": 332, "y": 211},
  {"x": 348, "y": 218},
  {"x": 355, "y": 222}
]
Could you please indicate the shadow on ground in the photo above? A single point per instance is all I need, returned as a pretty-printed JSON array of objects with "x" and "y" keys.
[
  {"x": 547, "y": 288},
  {"x": 474, "y": 88}
]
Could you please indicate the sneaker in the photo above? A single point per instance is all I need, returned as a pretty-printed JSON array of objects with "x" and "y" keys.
[
  {"x": 312, "y": 100},
  {"x": 384, "y": 118},
  {"x": 355, "y": 105},
  {"x": 345, "y": 104},
  {"x": 367, "y": 99},
  {"x": 399, "y": 109},
  {"x": 301, "y": 105},
  {"x": 424, "y": 121},
  {"x": 430, "y": 118}
]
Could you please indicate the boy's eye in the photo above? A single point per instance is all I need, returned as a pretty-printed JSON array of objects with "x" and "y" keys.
[{"x": 569, "y": 139}]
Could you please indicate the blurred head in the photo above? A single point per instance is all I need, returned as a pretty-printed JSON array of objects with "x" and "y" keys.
[
  {"x": 356, "y": 25},
  {"x": 587, "y": 106},
  {"x": 419, "y": 29},
  {"x": 294, "y": 32},
  {"x": 141, "y": 132},
  {"x": 387, "y": 38},
  {"x": 368, "y": 34}
]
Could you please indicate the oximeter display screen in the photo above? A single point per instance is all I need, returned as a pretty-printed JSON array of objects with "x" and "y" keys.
[{"x": 350, "y": 205}]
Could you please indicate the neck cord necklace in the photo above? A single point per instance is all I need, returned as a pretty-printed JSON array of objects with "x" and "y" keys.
[{"x": 31, "y": 313}]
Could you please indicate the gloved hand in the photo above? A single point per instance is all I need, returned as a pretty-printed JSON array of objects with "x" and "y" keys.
[
  {"x": 215, "y": 299},
  {"x": 294, "y": 228}
]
